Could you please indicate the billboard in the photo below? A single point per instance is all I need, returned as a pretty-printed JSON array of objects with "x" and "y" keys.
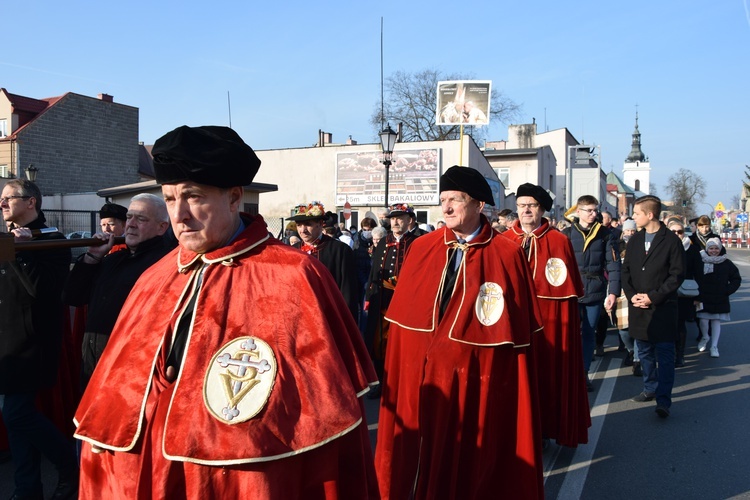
[
  {"x": 463, "y": 102},
  {"x": 414, "y": 176}
]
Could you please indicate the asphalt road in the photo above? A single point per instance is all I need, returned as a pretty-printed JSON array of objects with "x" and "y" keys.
[{"x": 702, "y": 451}]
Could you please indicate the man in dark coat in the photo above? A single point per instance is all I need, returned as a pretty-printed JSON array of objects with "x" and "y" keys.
[
  {"x": 598, "y": 260},
  {"x": 335, "y": 255},
  {"x": 103, "y": 280},
  {"x": 31, "y": 329},
  {"x": 387, "y": 258},
  {"x": 652, "y": 271}
]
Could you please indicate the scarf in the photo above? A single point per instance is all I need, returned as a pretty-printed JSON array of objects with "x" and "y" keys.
[{"x": 709, "y": 261}]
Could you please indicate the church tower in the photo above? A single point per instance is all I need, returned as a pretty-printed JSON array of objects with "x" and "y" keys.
[{"x": 637, "y": 169}]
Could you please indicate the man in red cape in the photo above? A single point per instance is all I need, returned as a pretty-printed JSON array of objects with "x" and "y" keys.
[
  {"x": 235, "y": 369},
  {"x": 563, "y": 396},
  {"x": 459, "y": 410}
]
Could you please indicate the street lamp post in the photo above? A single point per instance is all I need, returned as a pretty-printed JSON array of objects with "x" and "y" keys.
[
  {"x": 31, "y": 172},
  {"x": 388, "y": 142}
]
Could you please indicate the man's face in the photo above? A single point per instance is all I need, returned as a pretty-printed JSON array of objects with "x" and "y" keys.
[
  {"x": 110, "y": 225},
  {"x": 606, "y": 219},
  {"x": 501, "y": 220},
  {"x": 15, "y": 209},
  {"x": 400, "y": 224},
  {"x": 640, "y": 217},
  {"x": 530, "y": 212},
  {"x": 203, "y": 217},
  {"x": 309, "y": 230},
  {"x": 142, "y": 224},
  {"x": 461, "y": 212},
  {"x": 704, "y": 229},
  {"x": 587, "y": 214}
]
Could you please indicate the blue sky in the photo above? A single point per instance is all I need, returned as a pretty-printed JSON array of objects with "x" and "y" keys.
[{"x": 292, "y": 68}]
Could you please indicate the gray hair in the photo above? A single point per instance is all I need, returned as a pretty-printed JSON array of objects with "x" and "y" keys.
[
  {"x": 160, "y": 207},
  {"x": 379, "y": 232}
]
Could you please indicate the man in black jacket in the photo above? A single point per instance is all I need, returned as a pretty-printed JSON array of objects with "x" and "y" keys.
[
  {"x": 335, "y": 255},
  {"x": 103, "y": 280},
  {"x": 652, "y": 271},
  {"x": 598, "y": 260},
  {"x": 31, "y": 328}
]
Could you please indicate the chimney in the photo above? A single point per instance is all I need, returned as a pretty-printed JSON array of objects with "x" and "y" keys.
[
  {"x": 327, "y": 138},
  {"x": 350, "y": 141},
  {"x": 106, "y": 98}
]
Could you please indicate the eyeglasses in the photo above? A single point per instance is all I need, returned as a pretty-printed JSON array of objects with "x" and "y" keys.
[
  {"x": 678, "y": 231},
  {"x": 524, "y": 206},
  {"x": 589, "y": 210},
  {"x": 7, "y": 199}
]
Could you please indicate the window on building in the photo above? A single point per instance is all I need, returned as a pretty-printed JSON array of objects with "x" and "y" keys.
[
  {"x": 353, "y": 219},
  {"x": 421, "y": 216},
  {"x": 637, "y": 185},
  {"x": 504, "y": 175},
  {"x": 250, "y": 208},
  {"x": 3, "y": 127},
  {"x": 4, "y": 171}
]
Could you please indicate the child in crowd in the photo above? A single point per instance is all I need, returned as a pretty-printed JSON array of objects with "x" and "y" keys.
[{"x": 717, "y": 280}]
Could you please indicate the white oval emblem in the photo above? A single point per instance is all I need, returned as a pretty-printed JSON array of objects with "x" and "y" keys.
[
  {"x": 490, "y": 303},
  {"x": 555, "y": 271},
  {"x": 239, "y": 380}
]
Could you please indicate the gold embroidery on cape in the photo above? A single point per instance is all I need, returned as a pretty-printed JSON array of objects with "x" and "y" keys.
[
  {"x": 239, "y": 380},
  {"x": 490, "y": 303},
  {"x": 555, "y": 271}
]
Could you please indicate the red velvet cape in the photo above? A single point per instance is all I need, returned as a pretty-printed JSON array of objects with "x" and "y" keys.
[
  {"x": 459, "y": 411},
  {"x": 563, "y": 398},
  {"x": 309, "y": 439}
]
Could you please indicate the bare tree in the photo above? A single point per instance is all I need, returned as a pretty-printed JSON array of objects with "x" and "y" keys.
[
  {"x": 687, "y": 189},
  {"x": 411, "y": 98}
]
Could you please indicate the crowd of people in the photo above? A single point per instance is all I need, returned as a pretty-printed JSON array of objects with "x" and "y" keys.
[{"x": 215, "y": 359}]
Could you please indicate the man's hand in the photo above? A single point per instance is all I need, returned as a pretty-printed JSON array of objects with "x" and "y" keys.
[
  {"x": 21, "y": 234},
  {"x": 609, "y": 302},
  {"x": 95, "y": 254},
  {"x": 641, "y": 300}
]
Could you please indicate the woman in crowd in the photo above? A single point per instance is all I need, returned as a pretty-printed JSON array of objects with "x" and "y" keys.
[
  {"x": 717, "y": 280},
  {"x": 685, "y": 305}
]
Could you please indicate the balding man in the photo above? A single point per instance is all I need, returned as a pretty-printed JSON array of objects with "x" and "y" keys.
[
  {"x": 459, "y": 411},
  {"x": 103, "y": 280},
  {"x": 234, "y": 369},
  {"x": 562, "y": 383}
]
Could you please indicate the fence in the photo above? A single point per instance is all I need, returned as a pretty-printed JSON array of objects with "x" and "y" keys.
[{"x": 70, "y": 221}]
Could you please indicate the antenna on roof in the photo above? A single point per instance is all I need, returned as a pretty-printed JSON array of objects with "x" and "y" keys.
[
  {"x": 229, "y": 108},
  {"x": 382, "y": 98}
]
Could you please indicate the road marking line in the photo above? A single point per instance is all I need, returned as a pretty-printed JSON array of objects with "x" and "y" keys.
[{"x": 575, "y": 477}]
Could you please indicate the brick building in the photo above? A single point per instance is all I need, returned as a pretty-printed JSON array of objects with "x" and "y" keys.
[{"x": 78, "y": 143}]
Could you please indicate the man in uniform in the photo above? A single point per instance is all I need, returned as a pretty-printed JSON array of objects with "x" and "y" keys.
[
  {"x": 387, "y": 258},
  {"x": 335, "y": 255},
  {"x": 31, "y": 331},
  {"x": 112, "y": 218},
  {"x": 562, "y": 384},
  {"x": 234, "y": 369},
  {"x": 103, "y": 280},
  {"x": 459, "y": 412}
]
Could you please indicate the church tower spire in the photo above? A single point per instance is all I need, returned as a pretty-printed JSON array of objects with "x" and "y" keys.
[
  {"x": 636, "y": 154},
  {"x": 637, "y": 169}
]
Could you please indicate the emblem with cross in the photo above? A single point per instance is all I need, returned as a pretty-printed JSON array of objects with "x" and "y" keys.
[{"x": 240, "y": 375}]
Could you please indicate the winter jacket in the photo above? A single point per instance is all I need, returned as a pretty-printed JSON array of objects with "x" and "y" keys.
[
  {"x": 716, "y": 286},
  {"x": 598, "y": 260},
  {"x": 657, "y": 273},
  {"x": 31, "y": 315}
]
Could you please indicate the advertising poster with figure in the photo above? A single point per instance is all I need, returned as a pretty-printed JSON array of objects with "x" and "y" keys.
[
  {"x": 413, "y": 178},
  {"x": 463, "y": 102}
]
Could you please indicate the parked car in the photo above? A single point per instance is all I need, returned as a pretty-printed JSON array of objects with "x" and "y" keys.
[{"x": 76, "y": 235}]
